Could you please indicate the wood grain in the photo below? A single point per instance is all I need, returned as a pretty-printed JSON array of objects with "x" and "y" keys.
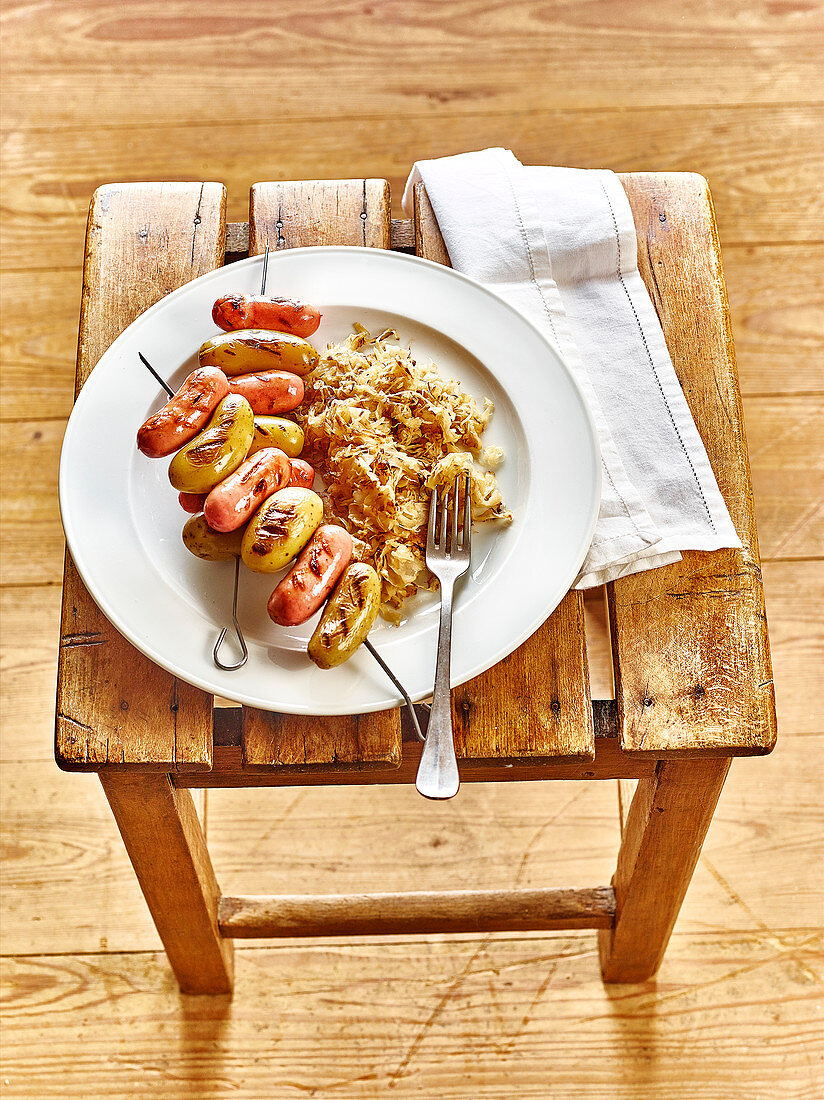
[
  {"x": 30, "y": 617},
  {"x": 114, "y": 705},
  {"x": 165, "y": 842},
  {"x": 503, "y": 57},
  {"x": 289, "y": 215},
  {"x": 787, "y": 459},
  {"x": 760, "y": 196},
  {"x": 32, "y": 544},
  {"x": 753, "y": 876},
  {"x": 736, "y": 1010},
  {"x": 228, "y": 770},
  {"x": 776, "y": 295},
  {"x": 661, "y": 841},
  {"x": 536, "y": 702},
  {"x": 484, "y": 1016},
  {"x": 420, "y": 912},
  {"x": 691, "y": 654},
  {"x": 783, "y": 435},
  {"x": 319, "y": 212}
]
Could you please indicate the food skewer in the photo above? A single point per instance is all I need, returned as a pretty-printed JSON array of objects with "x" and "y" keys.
[{"x": 241, "y": 640}]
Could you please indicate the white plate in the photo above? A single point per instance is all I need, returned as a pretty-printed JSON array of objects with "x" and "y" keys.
[{"x": 123, "y": 522}]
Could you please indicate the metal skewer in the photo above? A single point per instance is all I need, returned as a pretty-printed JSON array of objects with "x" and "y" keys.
[
  {"x": 241, "y": 640},
  {"x": 238, "y": 632},
  {"x": 151, "y": 370},
  {"x": 420, "y": 734}
]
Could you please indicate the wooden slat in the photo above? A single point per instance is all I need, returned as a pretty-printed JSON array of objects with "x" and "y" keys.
[
  {"x": 291, "y": 215},
  {"x": 57, "y": 829},
  {"x": 114, "y": 705},
  {"x": 787, "y": 461},
  {"x": 776, "y": 297},
  {"x": 610, "y": 762},
  {"x": 692, "y": 662},
  {"x": 785, "y": 454},
  {"x": 536, "y": 702},
  {"x": 418, "y": 913},
  {"x": 314, "y": 212}
]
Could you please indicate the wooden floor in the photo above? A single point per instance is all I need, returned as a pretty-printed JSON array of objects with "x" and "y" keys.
[{"x": 94, "y": 91}]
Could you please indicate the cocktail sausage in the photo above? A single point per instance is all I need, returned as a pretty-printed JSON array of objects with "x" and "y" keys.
[
  {"x": 183, "y": 415},
  {"x": 236, "y": 311},
  {"x": 311, "y": 579},
  {"x": 232, "y": 502}
]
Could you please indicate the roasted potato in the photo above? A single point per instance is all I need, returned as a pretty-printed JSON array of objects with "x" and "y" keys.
[
  {"x": 347, "y": 617},
  {"x": 217, "y": 450},
  {"x": 251, "y": 350},
  {"x": 280, "y": 529},
  {"x": 277, "y": 431},
  {"x": 200, "y": 540}
]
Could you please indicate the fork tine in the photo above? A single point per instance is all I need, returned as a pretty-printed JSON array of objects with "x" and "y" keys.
[
  {"x": 456, "y": 496},
  {"x": 466, "y": 533},
  {"x": 444, "y": 542},
  {"x": 433, "y": 519}
]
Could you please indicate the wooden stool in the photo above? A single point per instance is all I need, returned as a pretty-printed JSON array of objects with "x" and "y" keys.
[{"x": 693, "y": 684}]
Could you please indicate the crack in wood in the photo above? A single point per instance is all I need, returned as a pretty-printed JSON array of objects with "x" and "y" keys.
[
  {"x": 197, "y": 221},
  {"x": 83, "y": 638}
]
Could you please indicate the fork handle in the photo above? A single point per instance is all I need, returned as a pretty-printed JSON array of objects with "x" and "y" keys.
[{"x": 438, "y": 770}]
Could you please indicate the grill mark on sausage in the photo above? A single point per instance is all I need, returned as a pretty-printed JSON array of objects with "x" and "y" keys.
[{"x": 313, "y": 564}]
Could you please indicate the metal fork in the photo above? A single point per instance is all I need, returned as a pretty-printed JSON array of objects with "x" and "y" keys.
[{"x": 447, "y": 556}]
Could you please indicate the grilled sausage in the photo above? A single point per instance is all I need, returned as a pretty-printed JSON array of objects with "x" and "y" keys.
[
  {"x": 236, "y": 311},
  {"x": 183, "y": 415},
  {"x": 273, "y": 391},
  {"x": 191, "y": 502},
  {"x": 233, "y": 500},
  {"x": 312, "y": 577},
  {"x": 302, "y": 473}
]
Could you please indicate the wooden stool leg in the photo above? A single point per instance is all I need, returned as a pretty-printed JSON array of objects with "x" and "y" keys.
[
  {"x": 166, "y": 845},
  {"x": 664, "y": 831}
]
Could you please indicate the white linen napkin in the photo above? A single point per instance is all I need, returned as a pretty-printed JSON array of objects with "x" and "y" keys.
[{"x": 559, "y": 244}]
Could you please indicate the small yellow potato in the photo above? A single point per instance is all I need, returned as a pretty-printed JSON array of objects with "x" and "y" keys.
[
  {"x": 347, "y": 617},
  {"x": 200, "y": 540},
  {"x": 277, "y": 431},
  {"x": 255, "y": 349},
  {"x": 280, "y": 529},
  {"x": 218, "y": 450}
]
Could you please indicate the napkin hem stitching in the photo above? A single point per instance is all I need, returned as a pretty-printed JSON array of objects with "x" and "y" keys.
[{"x": 652, "y": 361}]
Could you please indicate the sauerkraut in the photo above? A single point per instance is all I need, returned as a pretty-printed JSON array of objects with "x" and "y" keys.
[{"x": 383, "y": 431}]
